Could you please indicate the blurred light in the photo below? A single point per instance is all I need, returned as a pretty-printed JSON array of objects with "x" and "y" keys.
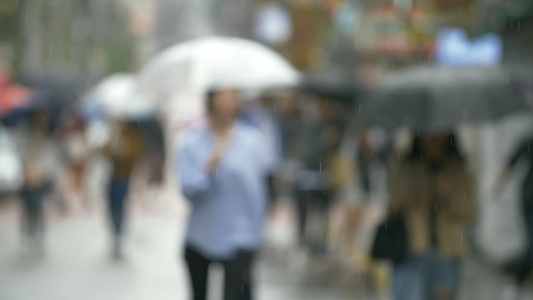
[
  {"x": 454, "y": 48},
  {"x": 273, "y": 25},
  {"x": 347, "y": 18}
]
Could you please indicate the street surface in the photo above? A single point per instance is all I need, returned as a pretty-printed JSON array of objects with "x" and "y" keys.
[{"x": 77, "y": 264}]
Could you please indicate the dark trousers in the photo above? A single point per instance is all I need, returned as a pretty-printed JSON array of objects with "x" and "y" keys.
[
  {"x": 317, "y": 201},
  {"x": 118, "y": 190},
  {"x": 237, "y": 274},
  {"x": 526, "y": 266},
  {"x": 32, "y": 201}
]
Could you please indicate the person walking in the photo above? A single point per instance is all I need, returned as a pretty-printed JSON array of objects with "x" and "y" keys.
[
  {"x": 123, "y": 151},
  {"x": 263, "y": 116},
  {"x": 39, "y": 158},
  {"x": 223, "y": 174},
  {"x": 435, "y": 193},
  {"x": 523, "y": 270}
]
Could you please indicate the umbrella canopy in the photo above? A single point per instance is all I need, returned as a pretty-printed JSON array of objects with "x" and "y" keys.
[
  {"x": 12, "y": 97},
  {"x": 331, "y": 84},
  {"x": 216, "y": 62},
  {"x": 440, "y": 98},
  {"x": 38, "y": 100},
  {"x": 65, "y": 84},
  {"x": 115, "y": 96}
]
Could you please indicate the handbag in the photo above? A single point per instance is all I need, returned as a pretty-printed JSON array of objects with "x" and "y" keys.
[{"x": 390, "y": 241}]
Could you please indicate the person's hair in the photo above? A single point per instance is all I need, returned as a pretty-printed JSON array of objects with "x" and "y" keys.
[
  {"x": 417, "y": 153},
  {"x": 210, "y": 97},
  {"x": 209, "y": 100}
]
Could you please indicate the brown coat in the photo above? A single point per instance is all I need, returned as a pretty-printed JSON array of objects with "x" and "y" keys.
[
  {"x": 126, "y": 156},
  {"x": 456, "y": 210},
  {"x": 341, "y": 170}
]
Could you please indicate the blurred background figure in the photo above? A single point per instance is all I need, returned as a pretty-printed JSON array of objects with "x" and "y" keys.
[
  {"x": 39, "y": 156},
  {"x": 434, "y": 192},
  {"x": 223, "y": 171},
  {"x": 123, "y": 151},
  {"x": 372, "y": 161},
  {"x": 77, "y": 155},
  {"x": 352, "y": 75},
  {"x": 263, "y": 115},
  {"x": 319, "y": 140},
  {"x": 524, "y": 266}
]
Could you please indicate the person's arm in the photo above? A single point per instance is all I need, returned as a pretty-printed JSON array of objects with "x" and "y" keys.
[
  {"x": 504, "y": 176},
  {"x": 108, "y": 150},
  {"x": 403, "y": 191},
  {"x": 523, "y": 149},
  {"x": 193, "y": 172},
  {"x": 341, "y": 169},
  {"x": 458, "y": 194}
]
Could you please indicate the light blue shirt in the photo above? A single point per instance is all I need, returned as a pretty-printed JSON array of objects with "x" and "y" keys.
[
  {"x": 229, "y": 206},
  {"x": 266, "y": 122}
]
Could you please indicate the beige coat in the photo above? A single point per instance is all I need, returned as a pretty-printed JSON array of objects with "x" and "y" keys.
[{"x": 457, "y": 204}]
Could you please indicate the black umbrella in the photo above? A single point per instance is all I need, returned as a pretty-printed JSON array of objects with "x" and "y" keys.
[
  {"x": 440, "y": 98},
  {"x": 332, "y": 84},
  {"x": 40, "y": 100}
]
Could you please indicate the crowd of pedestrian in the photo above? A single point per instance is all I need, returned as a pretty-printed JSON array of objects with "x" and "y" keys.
[{"x": 248, "y": 157}]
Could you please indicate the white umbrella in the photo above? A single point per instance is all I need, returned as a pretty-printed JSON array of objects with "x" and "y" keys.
[
  {"x": 116, "y": 96},
  {"x": 216, "y": 62}
]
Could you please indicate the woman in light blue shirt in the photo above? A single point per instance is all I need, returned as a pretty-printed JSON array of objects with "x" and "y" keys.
[{"x": 222, "y": 170}]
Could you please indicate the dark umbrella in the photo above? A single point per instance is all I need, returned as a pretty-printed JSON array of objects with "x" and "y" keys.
[
  {"x": 40, "y": 100},
  {"x": 440, "y": 98},
  {"x": 66, "y": 85},
  {"x": 332, "y": 84}
]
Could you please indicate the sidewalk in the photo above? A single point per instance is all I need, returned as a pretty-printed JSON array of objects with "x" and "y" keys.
[{"x": 77, "y": 264}]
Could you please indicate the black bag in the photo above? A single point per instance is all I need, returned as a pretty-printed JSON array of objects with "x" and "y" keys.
[{"x": 390, "y": 241}]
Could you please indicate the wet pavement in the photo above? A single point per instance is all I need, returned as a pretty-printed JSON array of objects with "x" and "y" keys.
[{"x": 77, "y": 265}]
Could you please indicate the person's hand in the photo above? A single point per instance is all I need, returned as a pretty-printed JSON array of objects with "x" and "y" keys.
[
  {"x": 33, "y": 174},
  {"x": 216, "y": 157}
]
